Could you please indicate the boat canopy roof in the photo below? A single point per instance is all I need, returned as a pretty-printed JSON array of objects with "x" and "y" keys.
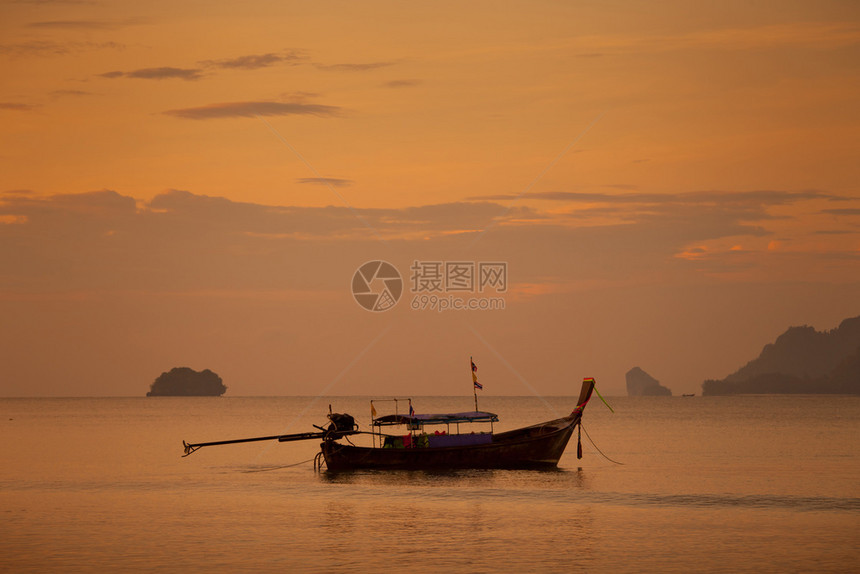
[{"x": 437, "y": 419}]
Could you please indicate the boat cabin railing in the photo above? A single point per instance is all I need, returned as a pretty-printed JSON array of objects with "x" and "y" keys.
[{"x": 415, "y": 423}]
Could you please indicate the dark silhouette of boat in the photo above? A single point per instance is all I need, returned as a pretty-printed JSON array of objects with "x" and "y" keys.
[{"x": 536, "y": 446}]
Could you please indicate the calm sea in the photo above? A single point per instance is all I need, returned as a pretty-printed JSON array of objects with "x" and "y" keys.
[{"x": 708, "y": 484}]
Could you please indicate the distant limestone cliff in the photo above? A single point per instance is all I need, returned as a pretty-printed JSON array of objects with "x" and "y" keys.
[
  {"x": 641, "y": 384},
  {"x": 185, "y": 382},
  {"x": 801, "y": 360}
]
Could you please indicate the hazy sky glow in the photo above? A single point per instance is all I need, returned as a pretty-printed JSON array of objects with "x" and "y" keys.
[{"x": 671, "y": 185}]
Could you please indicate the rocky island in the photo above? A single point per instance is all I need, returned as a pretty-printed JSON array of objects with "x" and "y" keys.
[
  {"x": 641, "y": 384},
  {"x": 801, "y": 360},
  {"x": 185, "y": 382}
]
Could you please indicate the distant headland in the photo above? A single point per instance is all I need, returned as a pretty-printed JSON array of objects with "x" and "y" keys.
[
  {"x": 185, "y": 382},
  {"x": 641, "y": 384},
  {"x": 801, "y": 360}
]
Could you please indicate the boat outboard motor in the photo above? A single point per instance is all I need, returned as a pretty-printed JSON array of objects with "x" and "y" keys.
[{"x": 341, "y": 422}]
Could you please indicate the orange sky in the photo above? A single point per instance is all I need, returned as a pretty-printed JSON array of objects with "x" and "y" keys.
[{"x": 671, "y": 186}]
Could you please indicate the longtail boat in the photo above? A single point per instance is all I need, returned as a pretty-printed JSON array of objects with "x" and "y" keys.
[{"x": 536, "y": 446}]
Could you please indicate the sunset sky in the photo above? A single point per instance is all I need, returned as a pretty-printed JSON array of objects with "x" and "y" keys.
[{"x": 670, "y": 184}]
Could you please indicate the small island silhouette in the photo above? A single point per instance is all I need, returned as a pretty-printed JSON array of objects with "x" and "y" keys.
[
  {"x": 641, "y": 384},
  {"x": 185, "y": 382},
  {"x": 801, "y": 360}
]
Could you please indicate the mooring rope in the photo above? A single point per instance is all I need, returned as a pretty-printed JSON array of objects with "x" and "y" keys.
[
  {"x": 279, "y": 467},
  {"x": 595, "y": 446}
]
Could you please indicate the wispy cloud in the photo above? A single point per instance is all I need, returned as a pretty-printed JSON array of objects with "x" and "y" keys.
[
  {"x": 835, "y": 232},
  {"x": 758, "y": 197},
  {"x": 45, "y": 48},
  {"x": 333, "y": 181},
  {"x": 353, "y": 67},
  {"x": 255, "y": 61},
  {"x": 252, "y": 109},
  {"x": 624, "y": 186},
  {"x": 47, "y": 2},
  {"x": 74, "y": 25},
  {"x": 163, "y": 73},
  {"x": 16, "y": 107},
  {"x": 683, "y": 221},
  {"x": 402, "y": 83},
  {"x": 299, "y": 96},
  {"x": 74, "y": 93},
  {"x": 842, "y": 211},
  {"x": 247, "y": 62}
]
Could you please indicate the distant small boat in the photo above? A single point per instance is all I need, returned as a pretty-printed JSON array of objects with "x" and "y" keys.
[
  {"x": 690, "y": 395},
  {"x": 535, "y": 446}
]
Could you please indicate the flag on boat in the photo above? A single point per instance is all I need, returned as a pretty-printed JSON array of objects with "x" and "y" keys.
[
  {"x": 372, "y": 410},
  {"x": 411, "y": 410},
  {"x": 475, "y": 375}
]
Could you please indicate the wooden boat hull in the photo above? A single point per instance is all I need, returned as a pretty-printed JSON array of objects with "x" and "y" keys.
[{"x": 537, "y": 446}]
